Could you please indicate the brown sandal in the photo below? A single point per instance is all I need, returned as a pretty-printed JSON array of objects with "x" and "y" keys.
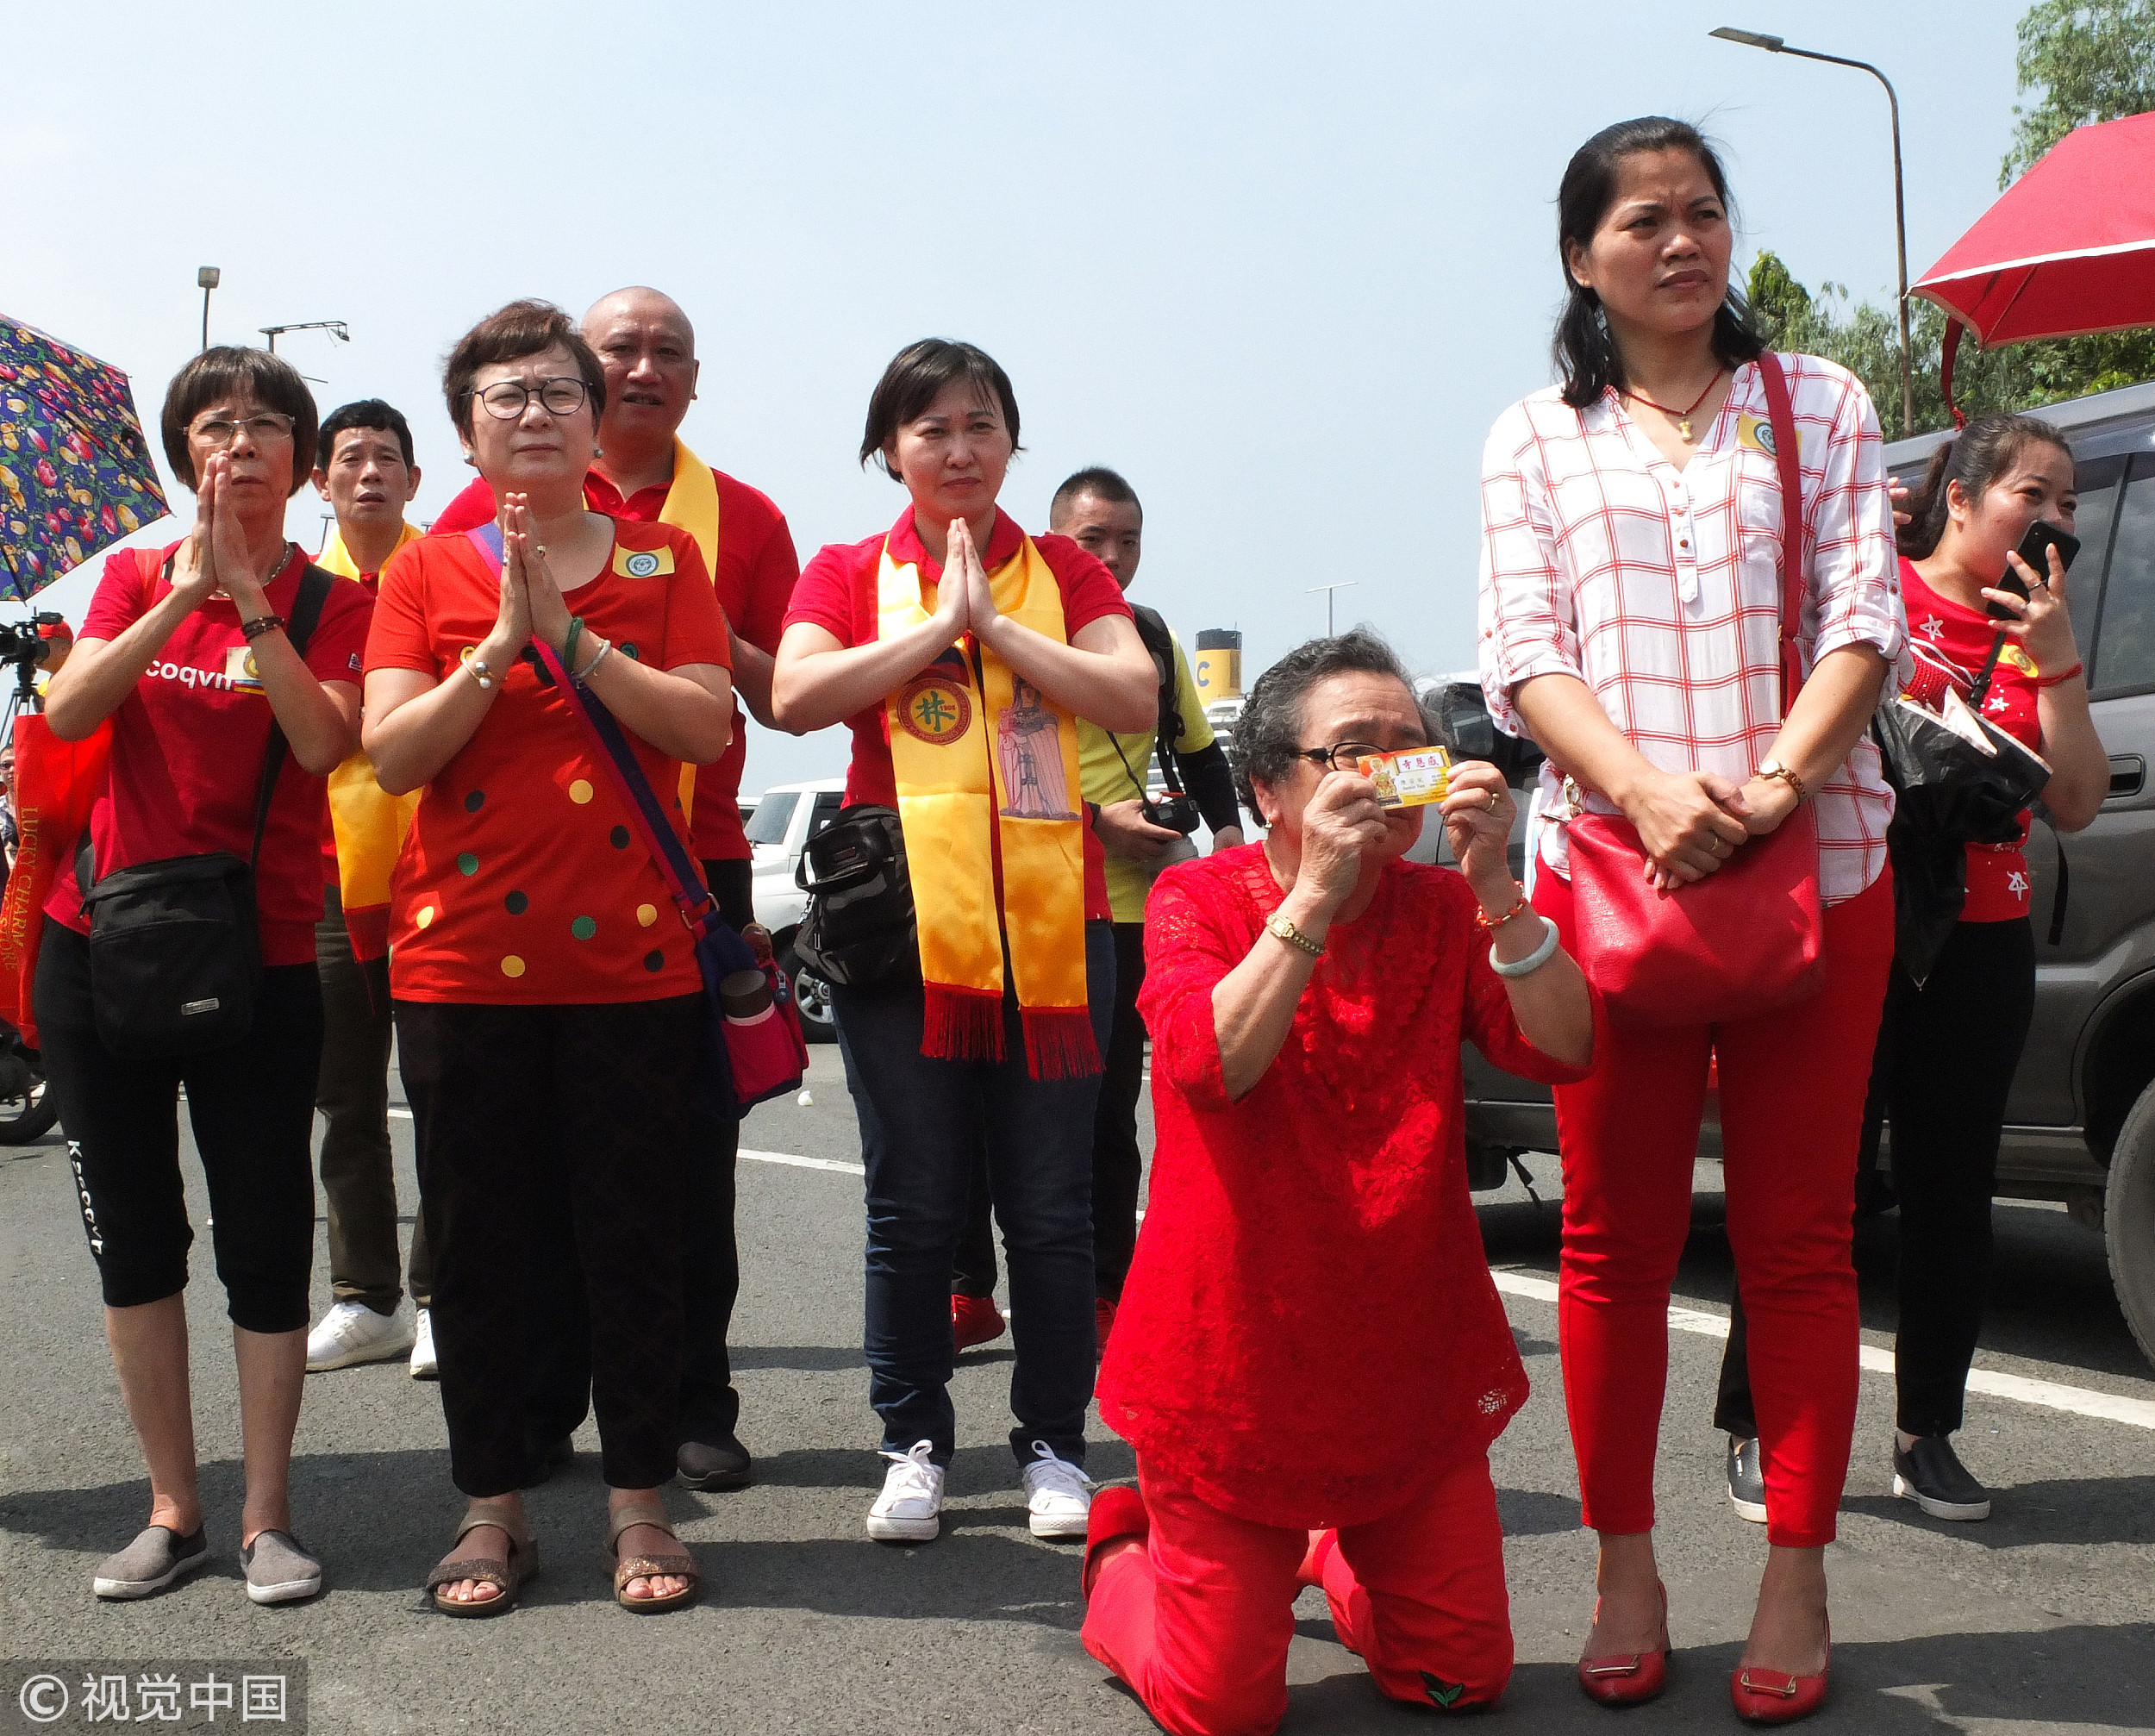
[
  {"x": 681, "y": 1566},
  {"x": 509, "y": 1576}
]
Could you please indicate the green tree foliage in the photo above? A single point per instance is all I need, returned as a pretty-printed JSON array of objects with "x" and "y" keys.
[
  {"x": 2090, "y": 61},
  {"x": 1866, "y": 341}
]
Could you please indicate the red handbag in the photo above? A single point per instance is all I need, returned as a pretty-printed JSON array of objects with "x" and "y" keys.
[{"x": 1745, "y": 939}]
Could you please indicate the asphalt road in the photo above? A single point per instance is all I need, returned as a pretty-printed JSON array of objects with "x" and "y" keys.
[{"x": 2041, "y": 1620}]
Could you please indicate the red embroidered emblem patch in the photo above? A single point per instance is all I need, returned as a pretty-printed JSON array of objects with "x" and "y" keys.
[{"x": 935, "y": 708}]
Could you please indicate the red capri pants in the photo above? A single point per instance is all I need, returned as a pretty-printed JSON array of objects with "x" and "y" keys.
[
  {"x": 1792, "y": 1086},
  {"x": 1198, "y": 1621}
]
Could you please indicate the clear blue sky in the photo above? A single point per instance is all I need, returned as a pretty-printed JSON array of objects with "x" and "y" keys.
[{"x": 1281, "y": 266}]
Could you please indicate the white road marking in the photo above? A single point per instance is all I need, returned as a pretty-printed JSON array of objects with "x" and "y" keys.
[
  {"x": 2109, "y": 1407},
  {"x": 2079, "y": 1400},
  {"x": 800, "y": 1163}
]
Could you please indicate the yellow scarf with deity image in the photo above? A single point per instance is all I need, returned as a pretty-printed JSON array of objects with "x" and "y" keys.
[{"x": 981, "y": 759}]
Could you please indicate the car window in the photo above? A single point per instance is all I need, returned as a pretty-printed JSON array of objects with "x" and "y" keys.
[
  {"x": 772, "y": 813},
  {"x": 826, "y": 806},
  {"x": 2125, "y": 635},
  {"x": 2099, "y": 480}
]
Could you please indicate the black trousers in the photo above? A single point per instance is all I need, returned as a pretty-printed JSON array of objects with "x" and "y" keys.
[
  {"x": 252, "y": 1106},
  {"x": 1943, "y": 1070},
  {"x": 359, "y": 1182},
  {"x": 710, "y": 1408},
  {"x": 1118, "y": 1164},
  {"x": 546, "y": 1135}
]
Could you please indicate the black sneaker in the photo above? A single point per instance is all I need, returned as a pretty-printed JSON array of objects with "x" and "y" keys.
[
  {"x": 714, "y": 1464},
  {"x": 1746, "y": 1480},
  {"x": 1932, "y": 1476}
]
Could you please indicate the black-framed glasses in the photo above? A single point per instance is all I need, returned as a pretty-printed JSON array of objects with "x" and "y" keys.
[
  {"x": 564, "y": 395},
  {"x": 264, "y": 429},
  {"x": 1342, "y": 755}
]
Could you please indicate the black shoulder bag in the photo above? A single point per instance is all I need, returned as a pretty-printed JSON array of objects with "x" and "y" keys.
[
  {"x": 860, "y": 928},
  {"x": 175, "y": 945}
]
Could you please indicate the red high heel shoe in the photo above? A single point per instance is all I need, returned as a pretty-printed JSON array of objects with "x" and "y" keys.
[
  {"x": 1629, "y": 1678},
  {"x": 1766, "y": 1696}
]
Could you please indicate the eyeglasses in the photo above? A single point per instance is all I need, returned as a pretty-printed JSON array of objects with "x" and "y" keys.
[
  {"x": 1342, "y": 755},
  {"x": 266, "y": 427},
  {"x": 562, "y": 396}
]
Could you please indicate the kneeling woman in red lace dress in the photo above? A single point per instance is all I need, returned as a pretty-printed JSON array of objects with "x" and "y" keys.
[{"x": 1311, "y": 1359}]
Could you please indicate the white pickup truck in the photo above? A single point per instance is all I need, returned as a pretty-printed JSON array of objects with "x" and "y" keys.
[{"x": 786, "y": 817}]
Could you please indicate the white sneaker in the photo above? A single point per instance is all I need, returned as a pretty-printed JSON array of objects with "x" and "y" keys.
[
  {"x": 911, "y": 1507},
  {"x": 351, "y": 1331},
  {"x": 1057, "y": 1494},
  {"x": 423, "y": 1364}
]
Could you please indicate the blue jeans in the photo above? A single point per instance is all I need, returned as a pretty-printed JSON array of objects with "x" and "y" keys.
[{"x": 922, "y": 1123}]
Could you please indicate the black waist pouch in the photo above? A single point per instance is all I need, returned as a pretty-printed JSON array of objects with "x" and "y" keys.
[
  {"x": 859, "y": 925},
  {"x": 175, "y": 955},
  {"x": 176, "y": 945}
]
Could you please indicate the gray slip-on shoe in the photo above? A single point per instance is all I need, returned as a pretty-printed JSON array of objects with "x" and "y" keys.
[
  {"x": 151, "y": 1563},
  {"x": 278, "y": 1569}
]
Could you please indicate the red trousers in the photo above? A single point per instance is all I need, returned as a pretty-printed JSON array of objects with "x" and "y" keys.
[
  {"x": 1198, "y": 1620},
  {"x": 1792, "y": 1086}
]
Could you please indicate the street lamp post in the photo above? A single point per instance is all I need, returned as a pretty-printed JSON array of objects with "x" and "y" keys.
[
  {"x": 1344, "y": 584},
  {"x": 334, "y": 328},
  {"x": 1774, "y": 44},
  {"x": 207, "y": 280}
]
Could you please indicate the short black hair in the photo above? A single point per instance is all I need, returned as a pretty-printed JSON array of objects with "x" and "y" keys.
[
  {"x": 1102, "y": 484},
  {"x": 365, "y": 413},
  {"x": 1268, "y": 733},
  {"x": 916, "y": 377},
  {"x": 528, "y": 327},
  {"x": 229, "y": 369}
]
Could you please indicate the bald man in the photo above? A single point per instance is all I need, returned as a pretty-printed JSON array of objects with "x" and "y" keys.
[{"x": 645, "y": 473}]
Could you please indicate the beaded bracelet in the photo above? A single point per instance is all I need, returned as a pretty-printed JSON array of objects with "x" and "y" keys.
[
  {"x": 252, "y": 630},
  {"x": 1535, "y": 960},
  {"x": 1483, "y": 919}
]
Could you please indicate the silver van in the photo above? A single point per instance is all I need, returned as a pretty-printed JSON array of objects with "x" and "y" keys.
[{"x": 2081, "y": 1121}]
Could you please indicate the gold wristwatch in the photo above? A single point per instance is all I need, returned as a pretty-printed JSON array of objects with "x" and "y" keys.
[
  {"x": 1278, "y": 925},
  {"x": 1774, "y": 768}
]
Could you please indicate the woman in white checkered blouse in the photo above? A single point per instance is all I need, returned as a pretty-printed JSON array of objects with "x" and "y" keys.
[{"x": 1630, "y": 602}]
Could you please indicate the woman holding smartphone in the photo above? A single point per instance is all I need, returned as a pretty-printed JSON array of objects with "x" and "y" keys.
[{"x": 1949, "y": 1046}]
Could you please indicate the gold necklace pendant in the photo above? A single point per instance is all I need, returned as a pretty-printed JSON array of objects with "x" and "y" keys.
[{"x": 1684, "y": 428}]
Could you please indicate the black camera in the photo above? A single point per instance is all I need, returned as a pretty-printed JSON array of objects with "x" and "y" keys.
[
  {"x": 22, "y": 642},
  {"x": 1174, "y": 812}
]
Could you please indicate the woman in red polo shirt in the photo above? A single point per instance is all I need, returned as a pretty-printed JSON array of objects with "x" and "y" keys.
[
  {"x": 184, "y": 650},
  {"x": 532, "y": 941},
  {"x": 960, "y": 651}
]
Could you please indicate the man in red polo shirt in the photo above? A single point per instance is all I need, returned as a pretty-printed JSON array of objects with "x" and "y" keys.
[{"x": 645, "y": 473}]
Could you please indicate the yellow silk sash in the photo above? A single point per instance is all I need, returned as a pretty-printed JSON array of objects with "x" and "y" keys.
[
  {"x": 692, "y": 505},
  {"x": 369, "y": 824},
  {"x": 972, "y": 745}
]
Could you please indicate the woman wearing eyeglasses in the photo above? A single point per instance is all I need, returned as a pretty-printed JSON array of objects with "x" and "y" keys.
[
  {"x": 1310, "y": 1357},
  {"x": 185, "y": 651},
  {"x": 535, "y": 948}
]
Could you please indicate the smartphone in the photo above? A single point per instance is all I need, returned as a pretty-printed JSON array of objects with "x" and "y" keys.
[{"x": 2042, "y": 537}]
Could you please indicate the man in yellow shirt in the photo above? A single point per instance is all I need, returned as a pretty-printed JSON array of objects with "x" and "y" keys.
[{"x": 1099, "y": 511}]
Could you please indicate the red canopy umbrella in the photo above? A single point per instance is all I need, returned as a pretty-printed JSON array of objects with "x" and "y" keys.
[{"x": 2068, "y": 249}]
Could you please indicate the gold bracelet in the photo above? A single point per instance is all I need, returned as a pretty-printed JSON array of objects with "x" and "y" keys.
[{"x": 1281, "y": 928}]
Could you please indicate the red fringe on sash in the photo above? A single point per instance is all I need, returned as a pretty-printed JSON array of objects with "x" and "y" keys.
[
  {"x": 966, "y": 1025},
  {"x": 962, "y": 1024},
  {"x": 1059, "y": 1043}
]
